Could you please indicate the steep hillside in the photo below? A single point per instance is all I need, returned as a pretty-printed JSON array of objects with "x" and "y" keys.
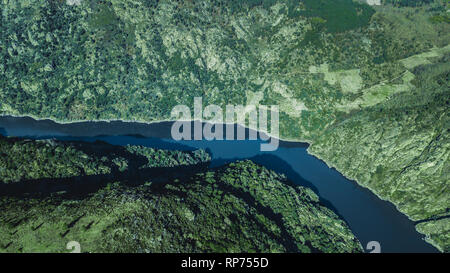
[
  {"x": 366, "y": 85},
  {"x": 159, "y": 207}
]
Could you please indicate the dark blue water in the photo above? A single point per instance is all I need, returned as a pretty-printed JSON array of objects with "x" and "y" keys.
[{"x": 370, "y": 218}]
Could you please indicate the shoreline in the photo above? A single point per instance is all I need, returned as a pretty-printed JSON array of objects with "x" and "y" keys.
[
  {"x": 330, "y": 165},
  {"x": 286, "y": 140}
]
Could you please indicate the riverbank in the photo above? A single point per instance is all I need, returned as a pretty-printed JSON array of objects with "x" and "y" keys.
[
  {"x": 331, "y": 165},
  {"x": 152, "y": 193},
  {"x": 328, "y": 163},
  {"x": 59, "y": 121}
]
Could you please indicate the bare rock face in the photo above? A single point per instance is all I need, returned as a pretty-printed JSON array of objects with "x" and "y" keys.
[
  {"x": 374, "y": 2},
  {"x": 73, "y": 2}
]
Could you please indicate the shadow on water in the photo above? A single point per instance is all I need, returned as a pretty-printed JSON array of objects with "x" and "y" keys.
[
  {"x": 369, "y": 217},
  {"x": 26, "y": 126},
  {"x": 80, "y": 186},
  {"x": 76, "y": 188}
]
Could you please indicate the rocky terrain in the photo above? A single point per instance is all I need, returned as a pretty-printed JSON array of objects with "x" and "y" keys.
[{"x": 366, "y": 85}]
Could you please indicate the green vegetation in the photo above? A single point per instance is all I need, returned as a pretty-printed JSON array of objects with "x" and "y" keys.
[
  {"x": 367, "y": 86},
  {"x": 156, "y": 205},
  {"x": 23, "y": 160},
  {"x": 412, "y": 141},
  {"x": 26, "y": 160},
  {"x": 439, "y": 232},
  {"x": 440, "y": 18},
  {"x": 339, "y": 15}
]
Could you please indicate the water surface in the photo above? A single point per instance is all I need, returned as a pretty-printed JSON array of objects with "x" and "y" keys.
[{"x": 370, "y": 218}]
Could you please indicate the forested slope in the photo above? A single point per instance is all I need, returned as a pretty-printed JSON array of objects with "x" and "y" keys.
[
  {"x": 366, "y": 85},
  {"x": 164, "y": 201}
]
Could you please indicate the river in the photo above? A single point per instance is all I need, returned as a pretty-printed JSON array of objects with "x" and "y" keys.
[{"x": 369, "y": 217}]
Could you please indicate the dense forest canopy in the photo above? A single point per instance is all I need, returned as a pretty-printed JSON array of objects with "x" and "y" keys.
[{"x": 366, "y": 85}]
